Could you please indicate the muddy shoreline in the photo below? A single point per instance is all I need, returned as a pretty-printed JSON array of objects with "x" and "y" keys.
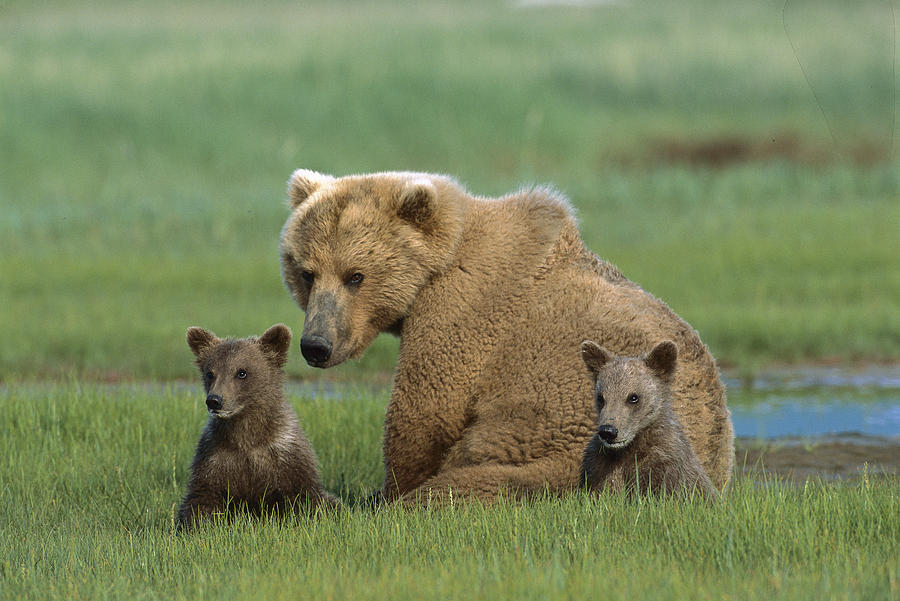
[{"x": 837, "y": 457}]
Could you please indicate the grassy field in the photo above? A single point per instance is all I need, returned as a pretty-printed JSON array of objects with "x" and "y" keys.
[
  {"x": 144, "y": 149},
  {"x": 736, "y": 159},
  {"x": 92, "y": 473}
]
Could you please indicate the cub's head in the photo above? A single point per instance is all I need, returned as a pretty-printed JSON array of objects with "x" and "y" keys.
[
  {"x": 239, "y": 373},
  {"x": 629, "y": 391},
  {"x": 356, "y": 251}
]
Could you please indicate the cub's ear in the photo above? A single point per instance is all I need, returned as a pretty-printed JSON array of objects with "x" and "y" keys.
[
  {"x": 417, "y": 203},
  {"x": 276, "y": 342},
  {"x": 594, "y": 356},
  {"x": 662, "y": 359},
  {"x": 201, "y": 341},
  {"x": 303, "y": 183}
]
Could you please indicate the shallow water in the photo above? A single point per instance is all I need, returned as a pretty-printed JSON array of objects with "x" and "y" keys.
[
  {"x": 812, "y": 402},
  {"x": 779, "y": 414},
  {"x": 832, "y": 423}
]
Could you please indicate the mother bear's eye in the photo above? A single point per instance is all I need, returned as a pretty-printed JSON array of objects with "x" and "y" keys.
[
  {"x": 308, "y": 276},
  {"x": 355, "y": 279}
]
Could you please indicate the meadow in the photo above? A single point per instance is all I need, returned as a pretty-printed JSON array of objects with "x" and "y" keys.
[
  {"x": 92, "y": 474},
  {"x": 738, "y": 160},
  {"x": 144, "y": 150}
]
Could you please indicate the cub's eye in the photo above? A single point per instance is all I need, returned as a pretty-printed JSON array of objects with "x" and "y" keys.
[
  {"x": 210, "y": 376},
  {"x": 600, "y": 400},
  {"x": 355, "y": 279},
  {"x": 241, "y": 374},
  {"x": 308, "y": 276},
  {"x": 633, "y": 398}
]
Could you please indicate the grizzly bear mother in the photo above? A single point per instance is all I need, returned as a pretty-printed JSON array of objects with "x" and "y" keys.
[{"x": 492, "y": 299}]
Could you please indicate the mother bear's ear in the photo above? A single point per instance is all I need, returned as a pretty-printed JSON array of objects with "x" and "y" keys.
[
  {"x": 304, "y": 183},
  {"x": 417, "y": 203}
]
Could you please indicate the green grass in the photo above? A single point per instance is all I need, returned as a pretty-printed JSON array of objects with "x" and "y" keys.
[
  {"x": 91, "y": 475},
  {"x": 144, "y": 149}
]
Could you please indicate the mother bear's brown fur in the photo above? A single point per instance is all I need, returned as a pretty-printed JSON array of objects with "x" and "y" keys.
[{"x": 491, "y": 299}]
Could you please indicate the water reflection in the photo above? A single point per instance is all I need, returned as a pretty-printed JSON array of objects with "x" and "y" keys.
[
  {"x": 777, "y": 415},
  {"x": 811, "y": 402}
]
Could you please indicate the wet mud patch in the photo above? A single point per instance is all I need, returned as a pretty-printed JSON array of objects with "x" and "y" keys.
[{"x": 832, "y": 458}]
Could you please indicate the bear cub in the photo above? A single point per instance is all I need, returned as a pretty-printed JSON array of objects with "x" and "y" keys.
[
  {"x": 639, "y": 445},
  {"x": 252, "y": 452}
]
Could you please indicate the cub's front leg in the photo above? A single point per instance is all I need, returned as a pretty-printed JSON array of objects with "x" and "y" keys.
[{"x": 199, "y": 501}]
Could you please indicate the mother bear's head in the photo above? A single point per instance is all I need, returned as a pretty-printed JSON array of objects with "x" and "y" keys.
[{"x": 356, "y": 251}]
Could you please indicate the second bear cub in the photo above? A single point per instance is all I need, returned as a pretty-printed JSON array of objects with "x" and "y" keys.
[
  {"x": 639, "y": 445},
  {"x": 252, "y": 452}
]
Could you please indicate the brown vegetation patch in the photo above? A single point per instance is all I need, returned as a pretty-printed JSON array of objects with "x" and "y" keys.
[{"x": 726, "y": 150}]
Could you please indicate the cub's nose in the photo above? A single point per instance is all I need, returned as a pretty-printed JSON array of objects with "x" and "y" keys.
[
  {"x": 607, "y": 433},
  {"x": 214, "y": 402},
  {"x": 315, "y": 349}
]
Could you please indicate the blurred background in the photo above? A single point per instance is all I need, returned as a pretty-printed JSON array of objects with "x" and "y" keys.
[{"x": 737, "y": 159}]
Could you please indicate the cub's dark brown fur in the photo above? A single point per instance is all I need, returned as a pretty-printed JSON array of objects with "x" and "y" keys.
[
  {"x": 252, "y": 452},
  {"x": 639, "y": 445}
]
